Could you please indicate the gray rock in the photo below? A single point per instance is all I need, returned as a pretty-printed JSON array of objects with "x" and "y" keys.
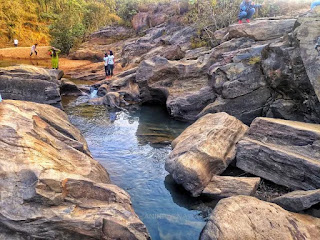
[
  {"x": 284, "y": 152},
  {"x": 30, "y": 83},
  {"x": 298, "y": 200}
]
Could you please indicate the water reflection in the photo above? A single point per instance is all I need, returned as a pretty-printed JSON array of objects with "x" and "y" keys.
[{"x": 122, "y": 145}]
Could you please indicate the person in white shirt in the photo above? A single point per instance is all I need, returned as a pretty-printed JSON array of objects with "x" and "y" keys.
[
  {"x": 33, "y": 50},
  {"x": 16, "y": 42},
  {"x": 106, "y": 61},
  {"x": 110, "y": 64}
]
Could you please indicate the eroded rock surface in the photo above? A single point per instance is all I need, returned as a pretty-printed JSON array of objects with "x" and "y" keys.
[
  {"x": 51, "y": 187},
  {"x": 31, "y": 83},
  {"x": 284, "y": 152},
  {"x": 244, "y": 217},
  {"x": 205, "y": 148}
]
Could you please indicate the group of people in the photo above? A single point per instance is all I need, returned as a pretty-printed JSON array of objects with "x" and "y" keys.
[
  {"x": 53, "y": 52},
  {"x": 248, "y": 8},
  {"x": 109, "y": 63}
]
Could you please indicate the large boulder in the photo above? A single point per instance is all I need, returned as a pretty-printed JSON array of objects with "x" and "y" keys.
[
  {"x": 284, "y": 152},
  {"x": 51, "y": 187},
  {"x": 261, "y": 30},
  {"x": 298, "y": 200},
  {"x": 31, "y": 83},
  {"x": 182, "y": 86},
  {"x": 244, "y": 217},
  {"x": 205, "y": 148},
  {"x": 111, "y": 34}
]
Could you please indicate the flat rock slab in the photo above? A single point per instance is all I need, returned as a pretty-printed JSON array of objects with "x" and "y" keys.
[
  {"x": 261, "y": 30},
  {"x": 50, "y": 186},
  {"x": 29, "y": 83},
  {"x": 298, "y": 200},
  {"x": 225, "y": 186},
  {"x": 205, "y": 148},
  {"x": 284, "y": 152},
  {"x": 244, "y": 217}
]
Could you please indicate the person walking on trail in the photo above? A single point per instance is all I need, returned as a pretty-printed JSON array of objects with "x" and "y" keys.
[
  {"x": 54, "y": 52},
  {"x": 34, "y": 50},
  {"x": 247, "y": 10},
  {"x": 315, "y": 4},
  {"x": 15, "y": 42},
  {"x": 110, "y": 64},
  {"x": 106, "y": 63}
]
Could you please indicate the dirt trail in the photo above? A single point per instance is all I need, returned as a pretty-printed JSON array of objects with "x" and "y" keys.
[{"x": 23, "y": 53}]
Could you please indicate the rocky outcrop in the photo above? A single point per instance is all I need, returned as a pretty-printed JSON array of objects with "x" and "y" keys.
[
  {"x": 298, "y": 200},
  {"x": 69, "y": 88},
  {"x": 244, "y": 217},
  {"x": 51, "y": 187},
  {"x": 226, "y": 186},
  {"x": 284, "y": 152},
  {"x": 30, "y": 83},
  {"x": 204, "y": 149},
  {"x": 307, "y": 34}
]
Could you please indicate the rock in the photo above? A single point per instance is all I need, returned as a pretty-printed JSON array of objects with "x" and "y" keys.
[
  {"x": 182, "y": 86},
  {"x": 173, "y": 53},
  {"x": 225, "y": 186},
  {"x": 86, "y": 54},
  {"x": 157, "y": 19},
  {"x": 68, "y": 88},
  {"x": 51, "y": 187},
  {"x": 284, "y": 152},
  {"x": 306, "y": 34},
  {"x": 205, "y": 148},
  {"x": 261, "y": 30},
  {"x": 298, "y": 200},
  {"x": 140, "y": 21},
  {"x": 31, "y": 83},
  {"x": 244, "y": 217}
]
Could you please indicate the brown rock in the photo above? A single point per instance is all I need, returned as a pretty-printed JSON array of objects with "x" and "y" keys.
[
  {"x": 284, "y": 152},
  {"x": 244, "y": 218},
  {"x": 204, "y": 149},
  {"x": 51, "y": 187},
  {"x": 225, "y": 186}
]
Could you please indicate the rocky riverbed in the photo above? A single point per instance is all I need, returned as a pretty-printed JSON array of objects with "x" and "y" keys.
[{"x": 253, "y": 105}]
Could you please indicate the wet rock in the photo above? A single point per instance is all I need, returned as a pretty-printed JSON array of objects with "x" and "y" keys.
[
  {"x": 51, "y": 187},
  {"x": 284, "y": 152},
  {"x": 68, "y": 88},
  {"x": 244, "y": 217},
  {"x": 225, "y": 186},
  {"x": 298, "y": 200},
  {"x": 262, "y": 29},
  {"x": 205, "y": 148},
  {"x": 30, "y": 83}
]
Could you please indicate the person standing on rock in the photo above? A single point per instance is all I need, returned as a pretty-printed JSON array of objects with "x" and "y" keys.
[
  {"x": 247, "y": 10},
  {"x": 110, "y": 63},
  {"x": 54, "y": 53},
  {"x": 106, "y": 63},
  {"x": 33, "y": 49}
]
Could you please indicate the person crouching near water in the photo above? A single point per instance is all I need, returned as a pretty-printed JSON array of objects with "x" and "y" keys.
[
  {"x": 54, "y": 53},
  {"x": 110, "y": 64},
  {"x": 247, "y": 10},
  {"x": 106, "y": 61},
  {"x": 34, "y": 49}
]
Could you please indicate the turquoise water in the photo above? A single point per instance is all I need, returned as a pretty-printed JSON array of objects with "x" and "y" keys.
[{"x": 133, "y": 147}]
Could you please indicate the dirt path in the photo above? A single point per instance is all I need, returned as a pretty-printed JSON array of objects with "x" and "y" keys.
[{"x": 23, "y": 53}]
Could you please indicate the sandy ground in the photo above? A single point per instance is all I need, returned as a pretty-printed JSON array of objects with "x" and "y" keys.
[{"x": 23, "y": 53}]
